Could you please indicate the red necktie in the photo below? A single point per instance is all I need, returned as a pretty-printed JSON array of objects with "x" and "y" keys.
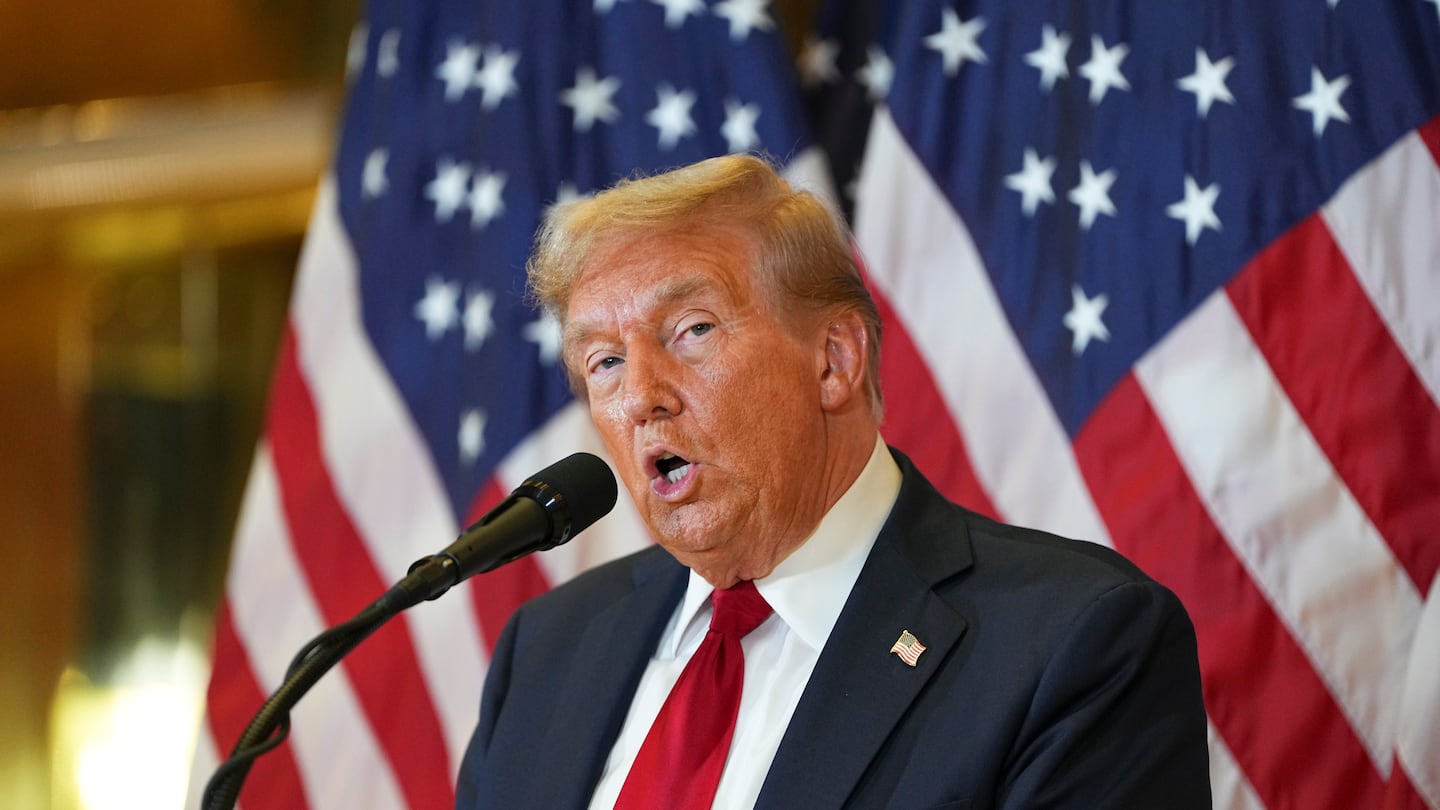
[{"x": 679, "y": 764}]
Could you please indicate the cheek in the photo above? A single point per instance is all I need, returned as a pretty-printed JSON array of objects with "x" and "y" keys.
[
  {"x": 759, "y": 365},
  {"x": 614, "y": 430},
  {"x": 768, "y": 380},
  {"x": 759, "y": 406},
  {"x": 618, "y": 435},
  {"x": 605, "y": 411}
]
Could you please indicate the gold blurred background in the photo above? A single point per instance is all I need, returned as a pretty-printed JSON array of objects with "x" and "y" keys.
[{"x": 157, "y": 165}]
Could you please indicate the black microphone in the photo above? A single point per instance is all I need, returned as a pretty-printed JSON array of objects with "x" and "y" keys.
[{"x": 548, "y": 509}]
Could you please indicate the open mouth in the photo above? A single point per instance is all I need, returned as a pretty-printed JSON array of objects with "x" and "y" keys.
[{"x": 672, "y": 467}]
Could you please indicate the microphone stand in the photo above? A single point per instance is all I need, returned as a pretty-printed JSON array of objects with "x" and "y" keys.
[{"x": 427, "y": 579}]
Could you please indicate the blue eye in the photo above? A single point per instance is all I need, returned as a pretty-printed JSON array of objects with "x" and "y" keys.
[
  {"x": 609, "y": 362},
  {"x": 701, "y": 328}
]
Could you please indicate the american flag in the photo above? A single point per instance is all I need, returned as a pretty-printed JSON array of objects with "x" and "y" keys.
[
  {"x": 908, "y": 647},
  {"x": 1161, "y": 275},
  {"x": 1166, "y": 276}
]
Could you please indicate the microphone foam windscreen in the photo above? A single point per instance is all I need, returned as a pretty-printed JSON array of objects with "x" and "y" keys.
[{"x": 586, "y": 485}]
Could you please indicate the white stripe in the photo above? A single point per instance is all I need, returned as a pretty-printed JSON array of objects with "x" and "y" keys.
[
  {"x": 1229, "y": 789},
  {"x": 1384, "y": 218},
  {"x": 381, "y": 468},
  {"x": 810, "y": 171},
  {"x": 204, "y": 763},
  {"x": 922, "y": 257},
  {"x": 340, "y": 764},
  {"x": 1290, "y": 520},
  {"x": 1419, "y": 745}
]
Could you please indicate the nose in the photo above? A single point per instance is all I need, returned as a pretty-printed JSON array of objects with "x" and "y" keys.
[{"x": 650, "y": 385}]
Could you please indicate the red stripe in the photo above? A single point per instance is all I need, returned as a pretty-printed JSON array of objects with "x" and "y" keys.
[
  {"x": 917, "y": 421},
  {"x": 1279, "y": 720},
  {"x": 495, "y": 595},
  {"x": 343, "y": 580},
  {"x": 1349, "y": 381},
  {"x": 232, "y": 699},
  {"x": 1430, "y": 134},
  {"x": 1400, "y": 793}
]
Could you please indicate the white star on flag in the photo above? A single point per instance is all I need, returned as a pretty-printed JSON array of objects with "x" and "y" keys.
[
  {"x": 1092, "y": 195},
  {"x": 565, "y": 194},
  {"x": 387, "y": 60},
  {"x": 1033, "y": 181},
  {"x": 677, "y": 10},
  {"x": 1084, "y": 319},
  {"x": 1323, "y": 100},
  {"x": 1050, "y": 57},
  {"x": 1208, "y": 81},
  {"x": 479, "y": 319},
  {"x": 744, "y": 16},
  {"x": 496, "y": 78},
  {"x": 817, "y": 61},
  {"x": 591, "y": 98},
  {"x": 439, "y": 308},
  {"x": 471, "y": 436},
  {"x": 356, "y": 50},
  {"x": 1103, "y": 68},
  {"x": 1197, "y": 209},
  {"x": 878, "y": 73},
  {"x": 486, "y": 202},
  {"x": 671, "y": 115},
  {"x": 458, "y": 69},
  {"x": 447, "y": 190},
  {"x": 545, "y": 334},
  {"x": 957, "y": 41},
  {"x": 739, "y": 127},
  {"x": 604, "y": 6},
  {"x": 373, "y": 181}
]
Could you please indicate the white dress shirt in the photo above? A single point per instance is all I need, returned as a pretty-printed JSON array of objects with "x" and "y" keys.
[{"x": 807, "y": 591}]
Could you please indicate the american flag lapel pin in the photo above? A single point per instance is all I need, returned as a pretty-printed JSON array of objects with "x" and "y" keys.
[{"x": 908, "y": 647}]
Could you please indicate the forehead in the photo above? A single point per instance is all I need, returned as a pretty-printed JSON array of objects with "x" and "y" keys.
[{"x": 649, "y": 273}]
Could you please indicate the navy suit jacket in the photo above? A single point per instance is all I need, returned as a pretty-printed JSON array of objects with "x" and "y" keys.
[{"x": 1055, "y": 674}]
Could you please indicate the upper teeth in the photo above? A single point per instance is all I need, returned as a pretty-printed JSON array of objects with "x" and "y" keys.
[{"x": 676, "y": 474}]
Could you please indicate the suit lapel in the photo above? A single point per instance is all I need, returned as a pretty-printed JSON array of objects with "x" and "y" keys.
[
  {"x": 609, "y": 659},
  {"x": 859, "y": 689}
]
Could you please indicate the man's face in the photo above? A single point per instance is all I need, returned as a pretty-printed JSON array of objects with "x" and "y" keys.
[{"x": 707, "y": 403}]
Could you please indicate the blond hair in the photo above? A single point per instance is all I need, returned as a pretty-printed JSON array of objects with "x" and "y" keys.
[{"x": 800, "y": 249}]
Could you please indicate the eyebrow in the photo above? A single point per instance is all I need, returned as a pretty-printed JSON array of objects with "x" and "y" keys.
[{"x": 578, "y": 333}]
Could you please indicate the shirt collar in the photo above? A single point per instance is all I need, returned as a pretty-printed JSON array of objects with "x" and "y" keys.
[{"x": 809, "y": 588}]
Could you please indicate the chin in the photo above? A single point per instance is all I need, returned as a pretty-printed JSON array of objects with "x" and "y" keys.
[{"x": 683, "y": 538}]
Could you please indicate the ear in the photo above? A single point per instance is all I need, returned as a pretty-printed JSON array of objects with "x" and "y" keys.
[{"x": 847, "y": 353}]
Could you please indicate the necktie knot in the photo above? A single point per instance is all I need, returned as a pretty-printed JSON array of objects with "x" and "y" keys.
[{"x": 738, "y": 610}]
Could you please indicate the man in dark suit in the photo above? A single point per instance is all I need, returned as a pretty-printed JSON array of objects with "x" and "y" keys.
[{"x": 918, "y": 654}]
